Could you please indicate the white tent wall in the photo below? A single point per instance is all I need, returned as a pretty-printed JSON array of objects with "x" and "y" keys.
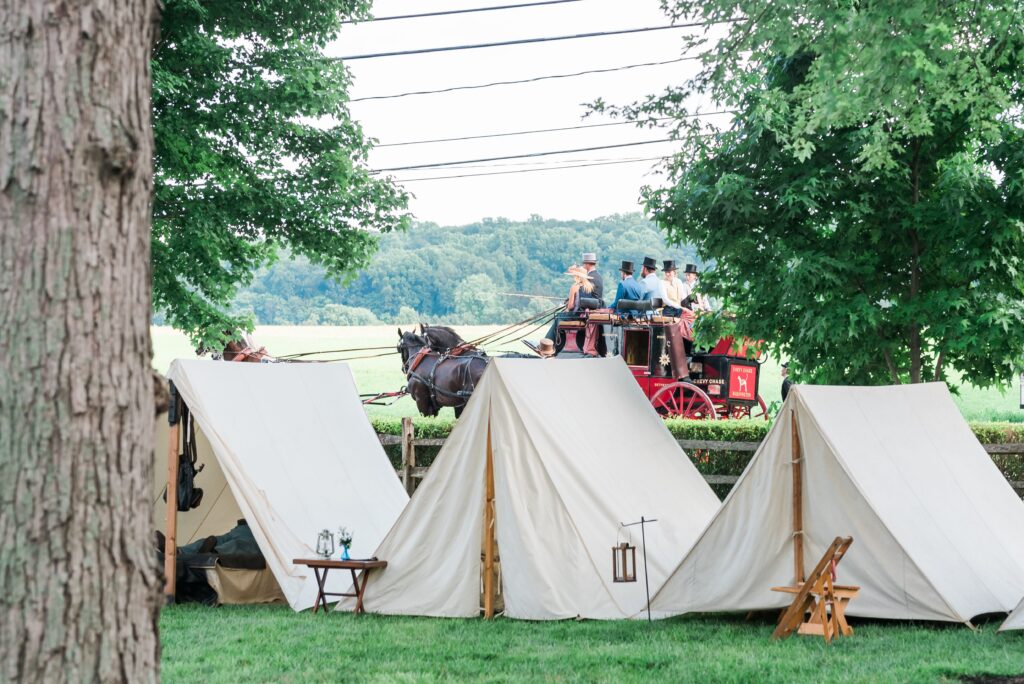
[
  {"x": 577, "y": 449},
  {"x": 934, "y": 488},
  {"x": 433, "y": 550},
  {"x": 749, "y": 540},
  {"x": 935, "y": 525},
  {"x": 298, "y": 454},
  {"x": 565, "y": 479},
  {"x": 1015, "y": 620}
]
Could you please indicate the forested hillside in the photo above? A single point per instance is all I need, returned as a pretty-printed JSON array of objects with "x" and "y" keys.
[{"x": 454, "y": 274}]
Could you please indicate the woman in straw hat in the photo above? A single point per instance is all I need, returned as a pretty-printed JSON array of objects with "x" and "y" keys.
[{"x": 581, "y": 285}]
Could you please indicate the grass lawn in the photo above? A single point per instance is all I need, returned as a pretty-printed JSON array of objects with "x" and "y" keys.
[
  {"x": 385, "y": 373},
  {"x": 271, "y": 643}
]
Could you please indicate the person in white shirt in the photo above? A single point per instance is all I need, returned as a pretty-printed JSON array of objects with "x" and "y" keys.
[
  {"x": 673, "y": 288},
  {"x": 653, "y": 286},
  {"x": 690, "y": 297}
]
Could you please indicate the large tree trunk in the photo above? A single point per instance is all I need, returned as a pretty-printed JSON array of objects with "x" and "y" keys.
[{"x": 78, "y": 577}]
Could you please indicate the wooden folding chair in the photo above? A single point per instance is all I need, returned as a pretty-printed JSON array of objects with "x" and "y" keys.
[{"x": 819, "y": 607}]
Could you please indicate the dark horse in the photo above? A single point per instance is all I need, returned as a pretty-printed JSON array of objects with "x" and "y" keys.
[
  {"x": 441, "y": 338},
  {"x": 436, "y": 379}
]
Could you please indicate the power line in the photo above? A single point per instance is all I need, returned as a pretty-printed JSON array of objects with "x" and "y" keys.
[
  {"x": 464, "y": 11},
  {"x": 543, "y": 130},
  {"x": 523, "y": 41},
  {"x": 522, "y": 156},
  {"x": 549, "y": 168},
  {"x": 541, "y": 162},
  {"x": 524, "y": 80}
]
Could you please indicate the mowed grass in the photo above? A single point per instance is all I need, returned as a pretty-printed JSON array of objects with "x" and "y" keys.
[
  {"x": 384, "y": 373},
  {"x": 271, "y": 643}
]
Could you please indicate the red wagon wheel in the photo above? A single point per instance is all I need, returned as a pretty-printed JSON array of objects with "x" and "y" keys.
[
  {"x": 757, "y": 412},
  {"x": 684, "y": 400}
]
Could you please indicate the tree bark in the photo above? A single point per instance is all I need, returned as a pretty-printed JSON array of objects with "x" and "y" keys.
[
  {"x": 78, "y": 578},
  {"x": 914, "y": 331}
]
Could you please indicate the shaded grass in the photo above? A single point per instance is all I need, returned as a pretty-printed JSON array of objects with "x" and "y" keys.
[{"x": 271, "y": 643}]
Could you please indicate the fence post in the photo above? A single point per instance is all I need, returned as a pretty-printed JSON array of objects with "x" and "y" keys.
[{"x": 408, "y": 455}]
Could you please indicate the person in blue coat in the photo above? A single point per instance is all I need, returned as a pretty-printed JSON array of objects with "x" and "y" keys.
[{"x": 629, "y": 288}]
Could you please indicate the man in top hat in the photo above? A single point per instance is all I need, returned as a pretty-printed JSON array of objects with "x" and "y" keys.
[
  {"x": 673, "y": 287},
  {"x": 691, "y": 298},
  {"x": 590, "y": 264},
  {"x": 649, "y": 280},
  {"x": 628, "y": 289}
]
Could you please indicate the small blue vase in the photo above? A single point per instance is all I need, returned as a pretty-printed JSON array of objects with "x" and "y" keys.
[{"x": 344, "y": 553}]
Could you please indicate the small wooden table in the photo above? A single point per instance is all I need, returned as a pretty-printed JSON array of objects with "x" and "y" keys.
[{"x": 352, "y": 566}]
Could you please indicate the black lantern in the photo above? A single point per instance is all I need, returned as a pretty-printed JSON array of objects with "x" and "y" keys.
[{"x": 624, "y": 563}]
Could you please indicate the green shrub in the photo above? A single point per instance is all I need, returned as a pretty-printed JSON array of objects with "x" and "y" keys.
[{"x": 717, "y": 430}]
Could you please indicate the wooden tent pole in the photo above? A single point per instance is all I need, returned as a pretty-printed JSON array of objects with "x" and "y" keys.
[
  {"x": 171, "y": 528},
  {"x": 489, "y": 532},
  {"x": 798, "y": 504}
]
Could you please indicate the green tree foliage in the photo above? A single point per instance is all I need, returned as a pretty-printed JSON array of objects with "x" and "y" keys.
[
  {"x": 255, "y": 150},
  {"x": 866, "y": 210},
  {"x": 431, "y": 270}
]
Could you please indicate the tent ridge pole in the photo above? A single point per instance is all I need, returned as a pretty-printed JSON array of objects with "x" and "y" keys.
[
  {"x": 798, "y": 507},
  {"x": 171, "y": 527},
  {"x": 489, "y": 530}
]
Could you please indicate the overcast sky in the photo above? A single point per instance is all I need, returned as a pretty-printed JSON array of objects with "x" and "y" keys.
[{"x": 580, "y": 193}]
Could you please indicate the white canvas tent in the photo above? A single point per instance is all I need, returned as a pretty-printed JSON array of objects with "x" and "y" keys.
[
  {"x": 1015, "y": 620},
  {"x": 289, "y": 448},
  {"x": 936, "y": 527},
  {"x": 566, "y": 450}
]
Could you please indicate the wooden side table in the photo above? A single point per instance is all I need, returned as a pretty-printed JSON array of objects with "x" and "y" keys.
[{"x": 322, "y": 565}]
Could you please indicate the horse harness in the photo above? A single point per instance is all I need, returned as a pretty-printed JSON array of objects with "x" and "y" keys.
[{"x": 460, "y": 353}]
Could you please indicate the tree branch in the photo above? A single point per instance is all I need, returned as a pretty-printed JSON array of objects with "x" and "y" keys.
[{"x": 892, "y": 367}]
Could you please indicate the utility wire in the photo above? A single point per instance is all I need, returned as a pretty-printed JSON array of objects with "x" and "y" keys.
[
  {"x": 463, "y": 11},
  {"x": 524, "y": 41},
  {"x": 524, "y": 80},
  {"x": 545, "y": 130},
  {"x": 548, "y": 168},
  {"x": 541, "y": 162},
  {"x": 523, "y": 156}
]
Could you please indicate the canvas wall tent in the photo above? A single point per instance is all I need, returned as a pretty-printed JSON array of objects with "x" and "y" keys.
[
  {"x": 289, "y": 448},
  {"x": 936, "y": 527},
  {"x": 1015, "y": 620},
  {"x": 575, "y": 449}
]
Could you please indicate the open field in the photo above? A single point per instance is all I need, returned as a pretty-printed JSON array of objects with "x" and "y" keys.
[
  {"x": 271, "y": 643},
  {"x": 385, "y": 374}
]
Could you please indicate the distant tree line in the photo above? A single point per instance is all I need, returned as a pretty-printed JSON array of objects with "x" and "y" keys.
[{"x": 454, "y": 274}]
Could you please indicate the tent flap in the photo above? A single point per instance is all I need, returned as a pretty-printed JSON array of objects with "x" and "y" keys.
[{"x": 298, "y": 455}]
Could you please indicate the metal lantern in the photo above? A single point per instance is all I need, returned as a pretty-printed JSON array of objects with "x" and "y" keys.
[
  {"x": 325, "y": 544},
  {"x": 624, "y": 563}
]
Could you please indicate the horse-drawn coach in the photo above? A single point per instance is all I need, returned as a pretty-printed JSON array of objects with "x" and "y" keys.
[{"x": 721, "y": 383}]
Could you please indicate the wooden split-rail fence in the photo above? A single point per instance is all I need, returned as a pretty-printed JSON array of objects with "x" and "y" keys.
[{"x": 409, "y": 472}]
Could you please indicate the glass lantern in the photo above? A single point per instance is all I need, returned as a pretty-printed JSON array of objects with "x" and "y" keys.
[
  {"x": 624, "y": 563},
  {"x": 325, "y": 544}
]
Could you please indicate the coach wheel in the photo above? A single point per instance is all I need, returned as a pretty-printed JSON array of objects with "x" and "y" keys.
[
  {"x": 759, "y": 411},
  {"x": 683, "y": 400}
]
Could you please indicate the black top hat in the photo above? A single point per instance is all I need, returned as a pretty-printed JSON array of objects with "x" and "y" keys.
[
  {"x": 627, "y": 267},
  {"x": 668, "y": 265},
  {"x": 691, "y": 268},
  {"x": 650, "y": 263}
]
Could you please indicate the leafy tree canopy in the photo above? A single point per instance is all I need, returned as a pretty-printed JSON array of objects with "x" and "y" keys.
[
  {"x": 866, "y": 210},
  {"x": 255, "y": 150}
]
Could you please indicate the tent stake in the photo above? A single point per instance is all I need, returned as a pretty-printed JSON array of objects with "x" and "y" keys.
[
  {"x": 171, "y": 528},
  {"x": 798, "y": 506},
  {"x": 489, "y": 532}
]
